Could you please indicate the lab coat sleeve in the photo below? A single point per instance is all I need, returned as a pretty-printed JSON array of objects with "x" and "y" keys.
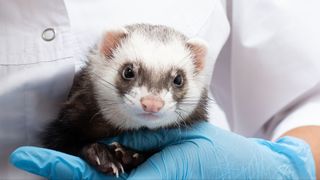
[
  {"x": 305, "y": 114},
  {"x": 271, "y": 60},
  {"x": 35, "y": 74}
]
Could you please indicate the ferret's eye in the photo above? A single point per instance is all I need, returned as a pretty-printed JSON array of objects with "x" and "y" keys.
[
  {"x": 178, "y": 81},
  {"x": 128, "y": 73}
]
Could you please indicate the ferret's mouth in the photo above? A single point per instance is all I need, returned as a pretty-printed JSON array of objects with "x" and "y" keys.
[{"x": 149, "y": 116}]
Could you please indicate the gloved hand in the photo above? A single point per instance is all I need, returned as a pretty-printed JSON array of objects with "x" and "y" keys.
[{"x": 201, "y": 152}]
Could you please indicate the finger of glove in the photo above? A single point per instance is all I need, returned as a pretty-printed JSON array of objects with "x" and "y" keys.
[
  {"x": 174, "y": 162},
  {"x": 156, "y": 167},
  {"x": 297, "y": 151},
  {"x": 53, "y": 164},
  {"x": 144, "y": 140}
]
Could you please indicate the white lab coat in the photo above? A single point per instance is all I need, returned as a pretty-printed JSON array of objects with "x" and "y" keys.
[{"x": 269, "y": 63}]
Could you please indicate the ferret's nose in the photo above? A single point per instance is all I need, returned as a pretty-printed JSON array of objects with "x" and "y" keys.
[{"x": 151, "y": 104}]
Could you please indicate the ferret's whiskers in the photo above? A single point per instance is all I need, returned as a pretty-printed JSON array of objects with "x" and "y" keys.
[
  {"x": 188, "y": 104},
  {"x": 115, "y": 103},
  {"x": 176, "y": 121},
  {"x": 105, "y": 85},
  {"x": 110, "y": 111},
  {"x": 181, "y": 119},
  {"x": 109, "y": 83},
  {"x": 182, "y": 110},
  {"x": 100, "y": 111},
  {"x": 190, "y": 99},
  {"x": 170, "y": 107},
  {"x": 129, "y": 98},
  {"x": 109, "y": 64},
  {"x": 92, "y": 118}
]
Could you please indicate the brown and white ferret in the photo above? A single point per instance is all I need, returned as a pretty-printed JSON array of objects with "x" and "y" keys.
[{"x": 137, "y": 76}]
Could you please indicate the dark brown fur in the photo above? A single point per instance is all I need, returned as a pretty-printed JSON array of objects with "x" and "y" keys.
[{"x": 79, "y": 122}]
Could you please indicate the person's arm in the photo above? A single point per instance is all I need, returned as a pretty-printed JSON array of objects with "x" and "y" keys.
[{"x": 310, "y": 134}]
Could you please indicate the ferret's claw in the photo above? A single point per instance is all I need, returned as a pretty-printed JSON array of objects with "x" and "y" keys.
[
  {"x": 116, "y": 144},
  {"x": 115, "y": 170},
  {"x": 98, "y": 160},
  {"x": 135, "y": 155},
  {"x": 119, "y": 149},
  {"x": 121, "y": 167}
]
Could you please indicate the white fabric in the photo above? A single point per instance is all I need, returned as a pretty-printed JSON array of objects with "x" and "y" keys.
[
  {"x": 35, "y": 75},
  {"x": 272, "y": 58},
  {"x": 306, "y": 114}
]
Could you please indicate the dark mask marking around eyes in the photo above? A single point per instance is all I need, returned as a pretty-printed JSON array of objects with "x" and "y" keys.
[
  {"x": 153, "y": 79},
  {"x": 156, "y": 81},
  {"x": 124, "y": 86},
  {"x": 180, "y": 92}
]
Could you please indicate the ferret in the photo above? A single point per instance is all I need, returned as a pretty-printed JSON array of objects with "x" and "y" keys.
[{"x": 137, "y": 76}]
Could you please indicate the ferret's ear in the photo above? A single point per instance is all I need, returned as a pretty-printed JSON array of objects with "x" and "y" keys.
[
  {"x": 111, "y": 39},
  {"x": 199, "y": 50}
]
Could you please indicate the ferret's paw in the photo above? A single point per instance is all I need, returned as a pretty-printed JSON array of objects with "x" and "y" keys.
[
  {"x": 101, "y": 157},
  {"x": 128, "y": 157}
]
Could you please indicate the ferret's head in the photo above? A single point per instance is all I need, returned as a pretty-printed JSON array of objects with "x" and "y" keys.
[{"x": 149, "y": 76}]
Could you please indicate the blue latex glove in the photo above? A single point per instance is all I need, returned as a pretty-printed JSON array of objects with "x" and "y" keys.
[{"x": 201, "y": 152}]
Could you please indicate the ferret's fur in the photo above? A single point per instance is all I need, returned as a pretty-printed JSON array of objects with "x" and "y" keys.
[{"x": 102, "y": 103}]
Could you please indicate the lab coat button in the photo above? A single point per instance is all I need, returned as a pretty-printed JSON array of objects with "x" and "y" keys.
[{"x": 48, "y": 34}]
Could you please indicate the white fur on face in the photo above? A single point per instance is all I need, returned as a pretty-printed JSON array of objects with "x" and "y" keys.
[
  {"x": 162, "y": 118},
  {"x": 125, "y": 112}
]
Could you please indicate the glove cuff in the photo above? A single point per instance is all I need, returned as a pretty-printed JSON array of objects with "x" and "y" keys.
[{"x": 297, "y": 151}]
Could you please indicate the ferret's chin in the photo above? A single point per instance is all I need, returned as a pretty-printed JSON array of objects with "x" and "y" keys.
[
  {"x": 152, "y": 120},
  {"x": 149, "y": 116}
]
